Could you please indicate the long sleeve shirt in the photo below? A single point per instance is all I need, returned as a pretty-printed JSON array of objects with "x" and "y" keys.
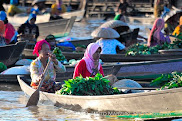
[
  {"x": 36, "y": 69},
  {"x": 81, "y": 69}
]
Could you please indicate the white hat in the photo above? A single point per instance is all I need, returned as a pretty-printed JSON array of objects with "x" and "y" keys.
[
  {"x": 105, "y": 33},
  {"x": 114, "y": 24},
  {"x": 37, "y": 1}
]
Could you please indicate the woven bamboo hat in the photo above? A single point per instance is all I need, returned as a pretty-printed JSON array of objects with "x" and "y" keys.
[
  {"x": 108, "y": 33},
  {"x": 118, "y": 25},
  {"x": 37, "y": 1},
  {"x": 114, "y": 24}
]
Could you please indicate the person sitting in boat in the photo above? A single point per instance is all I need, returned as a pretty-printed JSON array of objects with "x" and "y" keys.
[
  {"x": 2, "y": 29},
  {"x": 42, "y": 50},
  {"x": 107, "y": 40},
  {"x": 89, "y": 65},
  {"x": 29, "y": 27},
  {"x": 39, "y": 7},
  {"x": 178, "y": 30},
  {"x": 13, "y": 9},
  {"x": 57, "y": 9},
  {"x": 156, "y": 37},
  {"x": 10, "y": 33},
  {"x": 1, "y": 4}
]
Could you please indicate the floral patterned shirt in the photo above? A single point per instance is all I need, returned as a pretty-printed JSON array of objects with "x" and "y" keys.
[
  {"x": 109, "y": 45},
  {"x": 36, "y": 69}
]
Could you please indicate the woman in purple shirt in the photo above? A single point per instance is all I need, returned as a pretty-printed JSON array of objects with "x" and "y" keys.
[{"x": 156, "y": 36}]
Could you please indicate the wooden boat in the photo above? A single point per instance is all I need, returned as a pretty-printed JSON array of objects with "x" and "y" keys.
[
  {"x": 150, "y": 102},
  {"x": 27, "y": 53},
  {"x": 140, "y": 19},
  {"x": 79, "y": 13},
  {"x": 58, "y": 28},
  {"x": 11, "y": 53}
]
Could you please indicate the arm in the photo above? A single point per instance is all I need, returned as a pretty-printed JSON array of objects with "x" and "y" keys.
[
  {"x": 79, "y": 68},
  {"x": 34, "y": 72},
  {"x": 101, "y": 71},
  {"x": 20, "y": 29},
  {"x": 59, "y": 67},
  {"x": 37, "y": 32},
  {"x": 120, "y": 45},
  {"x": 164, "y": 39}
]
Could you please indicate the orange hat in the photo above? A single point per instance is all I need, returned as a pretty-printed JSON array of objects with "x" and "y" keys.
[{"x": 2, "y": 27}]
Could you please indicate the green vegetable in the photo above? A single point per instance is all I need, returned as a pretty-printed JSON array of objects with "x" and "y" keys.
[
  {"x": 97, "y": 85},
  {"x": 2, "y": 67},
  {"x": 168, "y": 81},
  {"x": 59, "y": 54},
  {"x": 140, "y": 49}
]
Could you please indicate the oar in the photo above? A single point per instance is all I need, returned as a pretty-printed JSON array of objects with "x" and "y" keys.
[{"x": 34, "y": 98}]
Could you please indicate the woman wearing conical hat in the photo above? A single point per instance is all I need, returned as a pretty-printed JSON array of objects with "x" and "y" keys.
[
  {"x": 108, "y": 40},
  {"x": 39, "y": 7}
]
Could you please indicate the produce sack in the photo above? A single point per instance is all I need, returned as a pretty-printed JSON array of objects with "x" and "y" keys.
[
  {"x": 127, "y": 83},
  {"x": 24, "y": 62},
  {"x": 17, "y": 70}
]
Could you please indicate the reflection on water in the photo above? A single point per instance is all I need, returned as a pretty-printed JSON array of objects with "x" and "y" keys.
[
  {"x": 13, "y": 101},
  {"x": 12, "y": 107}
]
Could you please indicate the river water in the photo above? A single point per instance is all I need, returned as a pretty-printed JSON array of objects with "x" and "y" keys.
[{"x": 13, "y": 100}]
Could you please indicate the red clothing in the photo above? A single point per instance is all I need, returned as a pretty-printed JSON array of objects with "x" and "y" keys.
[
  {"x": 81, "y": 68},
  {"x": 9, "y": 32}
]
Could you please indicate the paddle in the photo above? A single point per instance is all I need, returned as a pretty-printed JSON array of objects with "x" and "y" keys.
[{"x": 34, "y": 98}]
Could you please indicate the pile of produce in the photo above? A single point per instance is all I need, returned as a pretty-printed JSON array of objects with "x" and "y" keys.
[
  {"x": 168, "y": 81},
  {"x": 140, "y": 49},
  {"x": 59, "y": 55},
  {"x": 97, "y": 85},
  {"x": 2, "y": 67}
]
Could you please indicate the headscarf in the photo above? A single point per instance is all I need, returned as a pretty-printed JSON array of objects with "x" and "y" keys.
[
  {"x": 88, "y": 56},
  {"x": 2, "y": 15},
  {"x": 31, "y": 16},
  {"x": 38, "y": 47},
  {"x": 2, "y": 28},
  {"x": 13, "y": 2},
  {"x": 156, "y": 29}
]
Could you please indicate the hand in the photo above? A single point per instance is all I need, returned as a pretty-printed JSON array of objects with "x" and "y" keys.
[{"x": 53, "y": 58}]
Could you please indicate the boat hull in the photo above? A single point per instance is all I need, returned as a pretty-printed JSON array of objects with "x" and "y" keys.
[{"x": 155, "y": 101}]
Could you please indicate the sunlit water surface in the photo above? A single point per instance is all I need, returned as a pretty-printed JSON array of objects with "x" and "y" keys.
[{"x": 13, "y": 100}]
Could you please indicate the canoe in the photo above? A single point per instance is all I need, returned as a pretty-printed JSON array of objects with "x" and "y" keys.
[
  {"x": 11, "y": 53},
  {"x": 27, "y": 53},
  {"x": 79, "y": 13},
  {"x": 140, "y": 19},
  {"x": 58, "y": 28},
  {"x": 150, "y": 102}
]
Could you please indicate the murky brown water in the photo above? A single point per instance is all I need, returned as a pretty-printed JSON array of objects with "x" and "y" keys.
[{"x": 13, "y": 100}]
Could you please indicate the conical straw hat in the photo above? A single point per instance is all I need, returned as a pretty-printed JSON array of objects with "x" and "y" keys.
[
  {"x": 37, "y": 1},
  {"x": 114, "y": 24},
  {"x": 105, "y": 33}
]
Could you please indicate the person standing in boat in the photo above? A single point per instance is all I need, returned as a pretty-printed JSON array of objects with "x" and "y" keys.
[
  {"x": 42, "y": 50},
  {"x": 10, "y": 33},
  {"x": 89, "y": 65},
  {"x": 108, "y": 40},
  {"x": 2, "y": 29},
  {"x": 156, "y": 37},
  {"x": 39, "y": 7},
  {"x": 178, "y": 30},
  {"x": 57, "y": 9},
  {"x": 13, "y": 9},
  {"x": 29, "y": 27}
]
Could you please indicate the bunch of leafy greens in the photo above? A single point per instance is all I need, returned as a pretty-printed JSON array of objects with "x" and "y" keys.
[
  {"x": 140, "y": 49},
  {"x": 59, "y": 54},
  {"x": 168, "y": 81},
  {"x": 97, "y": 85},
  {"x": 2, "y": 67}
]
